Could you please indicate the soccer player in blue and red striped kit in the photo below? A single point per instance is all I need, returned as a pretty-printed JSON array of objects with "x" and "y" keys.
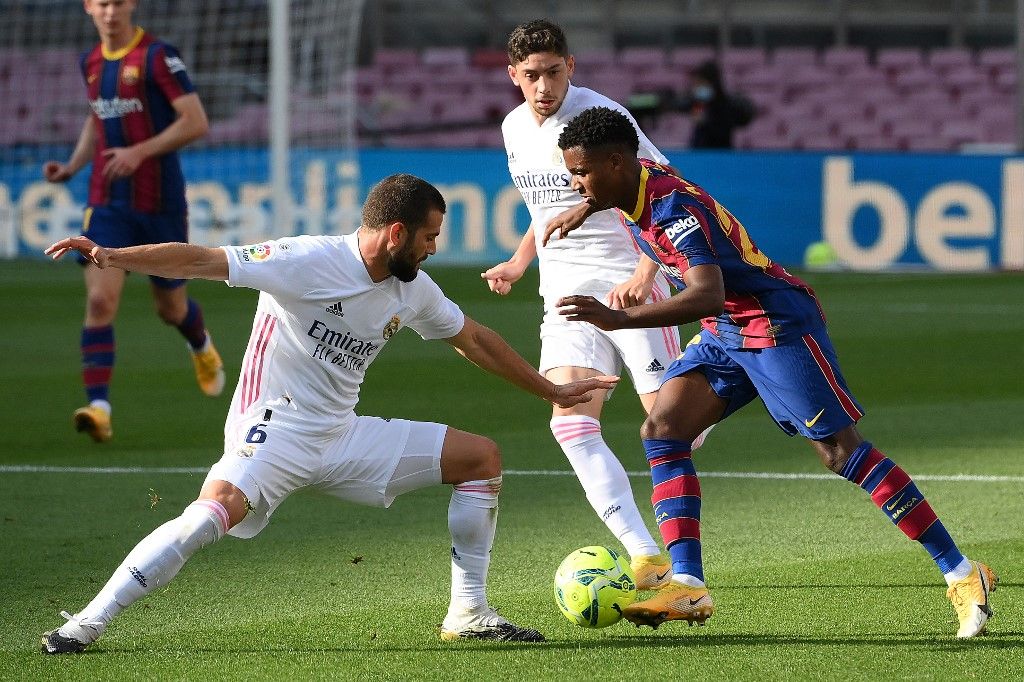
[
  {"x": 763, "y": 336},
  {"x": 144, "y": 108}
]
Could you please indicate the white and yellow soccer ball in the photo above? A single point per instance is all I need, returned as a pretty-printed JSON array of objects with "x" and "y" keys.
[{"x": 593, "y": 585}]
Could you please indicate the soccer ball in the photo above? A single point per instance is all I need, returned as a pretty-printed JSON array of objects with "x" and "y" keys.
[{"x": 593, "y": 585}]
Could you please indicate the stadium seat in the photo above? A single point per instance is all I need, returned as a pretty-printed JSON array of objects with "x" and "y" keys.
[
  {"x": 794, "y": 57},
  {"x": 957, "y": 133},
  {"x": 914, "y": 78},
  {"x": 391, "y": 59},
  {"x": 844, "y": 59},
  {"x": 821, "y": 142},
  {"x": 864, "y": 77},
  {"x": 946, "y": 59},
  {"x": 965, "y": 79},
  {"x": 844, "y": 111},
  {"x": 672, "y": 130},
  {"x": 808, "y": 77},
  {"x": 485, "y": 58},
  {"x": 445, "y": 56},
  {"x": 595, "y": 58},
  {"x": 996, "y": 58},
  {"x": 911, "y": 127},
  {"x": 874, "y": 142},
  {"x": 640, "y": 58},
  {"x": 898, "y": 59},
  {"x": 739, "y": 60},
  {"x": 685, "y": 58},
  {"x": 1006, "y": 80},
  {"x": 998, "y": 125}
]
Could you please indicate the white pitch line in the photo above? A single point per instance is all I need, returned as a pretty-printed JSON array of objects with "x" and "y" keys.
[{"x": 766, "y": 475}]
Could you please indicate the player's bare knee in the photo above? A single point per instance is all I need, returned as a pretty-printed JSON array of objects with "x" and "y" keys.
[
  {"x": 234, "y": 501},
  {"x": 832, "y": 455},
  {"x": 100, "y": 307},
  {"x": 656, "y": 426},
  {"x": 489, "y": 461}
]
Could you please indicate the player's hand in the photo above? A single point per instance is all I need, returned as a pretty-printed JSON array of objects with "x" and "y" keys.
[
  {"x": 121, "y": 162},
  {"x": 567, "y": 221},
  {"x": 502, "y": 276},
  {"x": 634, "y": 291},
  {"x": 567, "y": 395},
  {"x": 54, "y": 171},
  {"x": 589, "y": 309},
  {"x": 97, "y": 255}
]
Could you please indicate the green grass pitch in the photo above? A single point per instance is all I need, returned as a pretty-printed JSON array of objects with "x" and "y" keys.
[{"x": 810, "y": 580}]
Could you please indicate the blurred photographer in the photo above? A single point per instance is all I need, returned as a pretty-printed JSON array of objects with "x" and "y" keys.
[{"x": 716, "y": 113}]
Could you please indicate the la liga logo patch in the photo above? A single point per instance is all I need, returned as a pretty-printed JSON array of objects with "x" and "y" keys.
[{"x": 257, "y": 253}]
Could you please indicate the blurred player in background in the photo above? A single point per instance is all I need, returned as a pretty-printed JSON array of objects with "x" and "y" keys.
[
  {"x": 600, "y": 260},
  {"x": 327, "y": 308},
  {"x": 144, "y": 108},
  {"x": 764, "y": 336}
]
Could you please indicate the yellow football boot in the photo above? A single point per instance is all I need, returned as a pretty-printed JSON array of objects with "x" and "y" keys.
[
  {"x": 95, "y": 421},
  {"x": 672, "y": 602},
  {"x": 970, "y": 599},
  {"x": 209, "y": 369},
  {"x": 651, "y": 572}
]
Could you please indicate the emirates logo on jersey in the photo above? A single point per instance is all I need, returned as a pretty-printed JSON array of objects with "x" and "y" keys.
[
  {"x": 130, "y": 75},
  {"x": 392, "y": 327}
]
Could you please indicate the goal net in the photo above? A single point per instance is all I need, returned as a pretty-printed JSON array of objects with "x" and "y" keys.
[{"x": 225, "y": 45}]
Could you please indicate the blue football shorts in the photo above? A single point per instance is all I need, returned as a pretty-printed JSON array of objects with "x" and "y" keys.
[
  {"x": 114, "y": 227},
  {"x": 799, "y": 382}
]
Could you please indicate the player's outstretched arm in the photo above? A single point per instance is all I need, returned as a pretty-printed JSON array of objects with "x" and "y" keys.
[
  {"x": 486, "y": 349},
  {"x": 704, "y": 296},
  {"x": 171, "y": 260},
  {"x": 502, "y": 276},
  {"x": 568, "y": 220}
]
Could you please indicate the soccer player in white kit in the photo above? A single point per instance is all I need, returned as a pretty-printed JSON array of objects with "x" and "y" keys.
[
  {"x": 327, "y": 307},
  {"x": 602, "y": 260}
]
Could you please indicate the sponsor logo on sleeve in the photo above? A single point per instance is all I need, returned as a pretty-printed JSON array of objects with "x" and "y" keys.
[
  {"x": 257, "y": 253},
  {"x": 174, "y": 64},
  {"x": 681, "y": 228}
]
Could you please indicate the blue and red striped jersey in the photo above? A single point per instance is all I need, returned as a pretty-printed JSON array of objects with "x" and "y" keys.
[
  {"x": 680, "y": 225},
  {"x": 130, "y": 92}
]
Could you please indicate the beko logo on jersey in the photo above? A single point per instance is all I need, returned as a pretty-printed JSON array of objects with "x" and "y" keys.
[
  {"x": 116, "y": 107},
  {"x": 681, "y": 228},
  {"x": 340, "y": 348},
  {"x": 174, "y": 64}
]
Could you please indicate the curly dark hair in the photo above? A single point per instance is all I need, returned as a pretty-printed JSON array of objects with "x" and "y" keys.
[
  {"x": 599, "y": 127},
  {"x": 401, "y": 198},
  {"x": 539, "y": 35}
]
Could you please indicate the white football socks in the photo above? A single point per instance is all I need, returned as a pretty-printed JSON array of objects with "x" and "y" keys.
[
  {"x": 604, "y": 481},
  {"x": 154, "y": 562},
  {"x": 472, "y": 518}
]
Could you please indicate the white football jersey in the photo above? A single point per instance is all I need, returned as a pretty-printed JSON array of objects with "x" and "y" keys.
[
  {"x": 601, "y": 253},
  {"x": 319, "y": 323}
]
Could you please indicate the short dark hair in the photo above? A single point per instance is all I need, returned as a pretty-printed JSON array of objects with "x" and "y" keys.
[
  {"x": 401, "y": 198},
  {"x": 533, "y": 37},
  {"x": 599, "y": 127}
]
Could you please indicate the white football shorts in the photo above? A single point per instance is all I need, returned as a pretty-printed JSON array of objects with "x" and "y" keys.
[
  {"x": 644, "y": 353},
  {"x": 372, "y": 463}
]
